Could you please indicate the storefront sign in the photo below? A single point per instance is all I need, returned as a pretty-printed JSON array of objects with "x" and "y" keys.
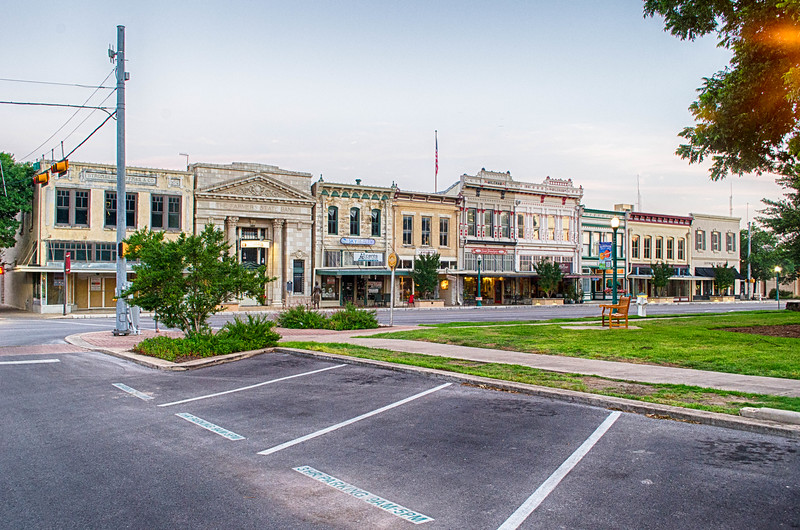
[
  {"x": 357, "y": 241},
  {"x": 255, "y": 243},
  {"x": 489, "y": 251},
  {"x": 368, "y": 256},
  {"x": 95, "y": 283}
]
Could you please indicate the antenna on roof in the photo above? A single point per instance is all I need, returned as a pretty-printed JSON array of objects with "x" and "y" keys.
[{"x": 638, "y": 195}]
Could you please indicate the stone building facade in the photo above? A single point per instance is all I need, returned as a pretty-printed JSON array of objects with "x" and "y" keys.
[
  {"x": 353, "y": 236},
  {"x": 75, "y": 213},
  {"x": 266, "y": 215},
  {"x": 716, "y": 244}
]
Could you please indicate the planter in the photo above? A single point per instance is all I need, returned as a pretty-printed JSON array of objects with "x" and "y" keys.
[
  {"x": 229, "y": 307},
  {"x": 547, "y": 301},
  {"x": 725, "y": 298},
  {"x": 661, "y": 300},
  {"x": 428, "y": 303}
]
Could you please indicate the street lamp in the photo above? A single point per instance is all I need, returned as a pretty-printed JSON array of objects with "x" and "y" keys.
[
  {"x": 478, "y": 297},
  {"x": 777, "y": 285},
  {"x": 615, "y": 227}
]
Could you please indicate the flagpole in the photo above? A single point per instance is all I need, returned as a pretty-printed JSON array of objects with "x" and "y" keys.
[{"x": 436, "y": 173}]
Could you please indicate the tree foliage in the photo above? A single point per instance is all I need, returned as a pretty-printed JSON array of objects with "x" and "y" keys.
[
  {"x": 662, "y": 272},
  {"x": 426, "y": 275},
  {"x": 764, "y": 253},
  {"x": 185, "y": 281},
  {"x": 16, "y": 196},
  {"x": 550, "y": 276},
  {"x": 747, "y": 114},
  {"x": 782, "y": 217},
  {"x": 724, "y": 277}
]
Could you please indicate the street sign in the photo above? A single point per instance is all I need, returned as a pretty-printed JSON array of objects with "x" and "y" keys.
[
  {"x": 67, "y": 262},
  {"x": 392, "y": 261}
]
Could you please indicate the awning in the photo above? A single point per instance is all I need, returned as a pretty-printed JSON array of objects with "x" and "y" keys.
[
  {"x": 360, "y": 272},
  {"x": 708, "y": 273}
]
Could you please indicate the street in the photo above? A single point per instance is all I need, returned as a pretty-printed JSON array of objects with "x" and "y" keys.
[{"x": 279, "y": 441}]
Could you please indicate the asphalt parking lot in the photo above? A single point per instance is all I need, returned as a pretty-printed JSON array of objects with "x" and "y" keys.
[{"x": 280, "y": 441}]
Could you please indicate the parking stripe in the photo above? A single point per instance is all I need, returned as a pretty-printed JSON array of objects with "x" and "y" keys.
[
  {"x": 38, "y": 361},
  {"x": 350, "y": 421},
  {"x": 533, "y": 502},
  {"x": 249, "y": 387},
  {"x": 364, "y": 495},
  {"x": 216, "y": 429},
  {"x": 133, "y": 391}
]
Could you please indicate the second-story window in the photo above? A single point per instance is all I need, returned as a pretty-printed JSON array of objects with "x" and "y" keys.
[
  {"x": 72, "y": 207},
  {"x": 408, "y": 229},
  {"x": 333, "y": 220},
  {"x": 520, "y": 226},
  {"x": 536, "y": 224},
  {"x": 376, "y": 223},
  {"x": 670, "y": 248},
  {"x": 730, "y": 242},
  {"x": 634, "y": 247},
  {"x": 488, "y": 222},
  {"x": 165, "y": 212},
  {"x": 681, "y": 249},
  {"x": 659, "y": 247},
  {"x": 111, "y": 209},
  {"x": 565, "y": 228},
  {"x": 444, "y": 232},
  {"x": 647, "y": 244},
  {"x": 472, "y": 222},
  {"x": 425, "y": 230},
  {"x": 505, "y": 224},
  {"x": 716, "y": 241},
  {"x": 699, "y": 240},
  {"x": 355, "y": 221}
]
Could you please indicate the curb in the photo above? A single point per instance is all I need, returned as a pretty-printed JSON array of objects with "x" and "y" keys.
[
  {"x": 161, "y": 364},
  {"x": 763, "y": 425}
]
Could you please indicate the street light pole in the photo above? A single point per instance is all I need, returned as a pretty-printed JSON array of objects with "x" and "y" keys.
[
  {"x": 479, "y": 298},
  {"x": 615, "y": 227},
  {"x": 777, "y": 285}
]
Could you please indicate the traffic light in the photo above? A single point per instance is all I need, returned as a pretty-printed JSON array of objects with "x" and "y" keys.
[
  {"x": 42, "y": 178},
  {"x": 122, "y": 249},
  {"x": 60, "y": 167},
  {"x": 2, "y": 270}
]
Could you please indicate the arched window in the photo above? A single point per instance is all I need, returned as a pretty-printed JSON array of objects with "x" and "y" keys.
[
  {"x": 355, "y": 221},
  {"x": 333, "y": 220}
]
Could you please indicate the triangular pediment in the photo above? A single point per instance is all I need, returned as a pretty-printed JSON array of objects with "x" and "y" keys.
[{"x": 256, "y": 186}]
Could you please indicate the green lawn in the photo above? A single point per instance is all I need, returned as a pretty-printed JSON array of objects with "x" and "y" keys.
[
  {"x": 675, "y": 395},
  {"x": 699, "y": 342}
]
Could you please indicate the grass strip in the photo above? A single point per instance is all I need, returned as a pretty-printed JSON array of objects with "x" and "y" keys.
[
  {"x": 698, "y": 342},
  {"x": 693, "y": 397}
]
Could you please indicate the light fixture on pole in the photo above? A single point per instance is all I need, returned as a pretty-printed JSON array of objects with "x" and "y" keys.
[
  {"x": 778, "y": 285},
  {"x": 478, "y": 298},
  {"x": 187, "y": 159},
  {"x": 614, "y": 227}
]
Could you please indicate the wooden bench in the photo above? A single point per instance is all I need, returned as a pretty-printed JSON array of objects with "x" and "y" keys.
[{"x": 616, "y": 312}]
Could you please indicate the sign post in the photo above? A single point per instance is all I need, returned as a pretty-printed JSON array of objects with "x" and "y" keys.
[
  {"x": 67, "y": 267},
  {"x": 392, "y": 262}
]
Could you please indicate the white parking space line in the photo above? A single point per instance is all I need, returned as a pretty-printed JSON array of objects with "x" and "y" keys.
[
  {"x": 370, "y": 498},
  {"x": 132, "y": 391},
  {"x": 350, "y": 421},
  {"x": 216, "y": 429},
  {"x": 37, "y": 361},
  {"x": 533, "y": 502},
  {"x": 250, "y": 387}
]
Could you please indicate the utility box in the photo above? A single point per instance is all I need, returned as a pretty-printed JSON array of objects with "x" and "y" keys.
[{"x": 641, "y": 305}]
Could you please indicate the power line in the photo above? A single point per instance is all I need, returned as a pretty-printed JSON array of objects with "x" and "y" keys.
[
  {"x": 73, "y": 116},
  {"x": 38, "y": 104},
  {"x": 84, "y": 141},
  {"x": 56, "y": 84}
]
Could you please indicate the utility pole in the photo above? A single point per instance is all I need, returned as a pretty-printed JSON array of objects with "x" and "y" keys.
[{"x": 122, "y": 327}]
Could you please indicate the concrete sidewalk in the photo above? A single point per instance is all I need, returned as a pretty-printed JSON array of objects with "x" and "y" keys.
[{"x": 644, "y": 373}]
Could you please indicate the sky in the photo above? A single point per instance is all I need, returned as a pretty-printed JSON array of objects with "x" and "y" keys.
[{"x": 587, "y": 90}]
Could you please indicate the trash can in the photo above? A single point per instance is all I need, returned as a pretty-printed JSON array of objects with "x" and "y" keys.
[{"x": 641, "y": 305}]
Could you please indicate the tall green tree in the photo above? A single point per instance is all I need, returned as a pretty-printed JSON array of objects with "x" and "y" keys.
[
  {"x": 782, "y": 217},
  {"x": 747, "y": 114},
  {"x": 724, "y": 277},
  {"x": 550, "y": 276},
  {"x": 426, "y": 275},
  {"x": 16, "y": 196},
  {"x": 764, "y": 253},
  {"x": 185, "y": 281},
  {"x": 662, "y": 272}
]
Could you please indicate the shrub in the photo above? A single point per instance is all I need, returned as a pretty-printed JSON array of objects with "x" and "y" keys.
[
  {"x": 353, "y": 318},
  {"x": 784, "y": 294},
  {"x": 236, "y": 336},
  {"x": 299, "y": 317}
]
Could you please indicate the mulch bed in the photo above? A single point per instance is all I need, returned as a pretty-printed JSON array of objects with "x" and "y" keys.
[{"x": 791, "y": 331}]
